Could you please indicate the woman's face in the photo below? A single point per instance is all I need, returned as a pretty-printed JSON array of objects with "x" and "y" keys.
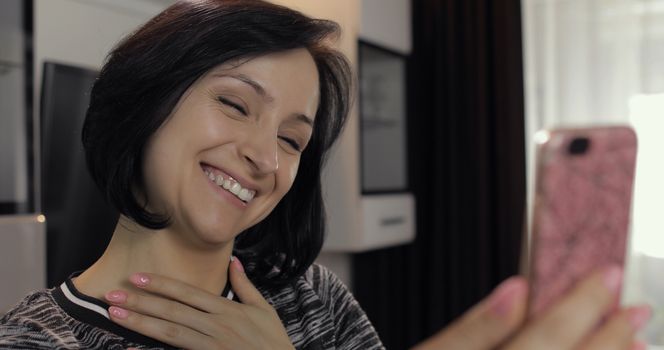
[{"x": 231, "y": 147}]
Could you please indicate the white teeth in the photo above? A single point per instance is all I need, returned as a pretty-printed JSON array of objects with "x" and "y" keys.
[
  {"x": 236, "y": 188},
  {"x": 232, "y": 186},
  {"x": 246, "y": 195}
]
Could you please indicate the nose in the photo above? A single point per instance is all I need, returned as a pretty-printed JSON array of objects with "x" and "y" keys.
[{"x": 260, "y": 151}]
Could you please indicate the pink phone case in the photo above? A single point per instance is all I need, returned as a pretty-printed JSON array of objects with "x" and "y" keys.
[{"x": 582, "y": 207}]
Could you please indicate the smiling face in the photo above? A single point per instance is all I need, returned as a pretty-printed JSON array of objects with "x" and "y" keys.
[{"x": 231, "y": 147}]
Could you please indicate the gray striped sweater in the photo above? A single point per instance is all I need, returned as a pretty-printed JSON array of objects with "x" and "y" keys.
[{"x": 317, "y": 311}]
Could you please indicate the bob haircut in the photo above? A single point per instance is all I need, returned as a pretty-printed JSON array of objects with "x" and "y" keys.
[{"x": 146, "y": 74}]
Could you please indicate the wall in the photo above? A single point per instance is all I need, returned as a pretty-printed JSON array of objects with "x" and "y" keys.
[
  {"x": 83, "y": 32},
  {"x": 387, "y": 23}
]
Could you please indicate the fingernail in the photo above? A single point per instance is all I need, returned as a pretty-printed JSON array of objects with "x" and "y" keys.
[
  {"x": 238, "y": 265},
  {"x": 639, "y": 316},
  {"x": 116, "y": 296},
  {"x": 118, "y": 312},
  {"x": 505, "y": 295},
  {"x": 140, "y": 279},
  {"x": 613, "y": 279}
]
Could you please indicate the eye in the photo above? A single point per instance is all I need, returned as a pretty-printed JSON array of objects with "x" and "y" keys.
[
  {"x": 291, "y": 142},
  {"x": 232, "y": 105}
]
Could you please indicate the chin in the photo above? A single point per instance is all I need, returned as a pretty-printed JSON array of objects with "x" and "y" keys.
[
  {"x": 216, "y": 234},
  {"x": 215, "y": 238},
  {"x": 213, "y": 232}
]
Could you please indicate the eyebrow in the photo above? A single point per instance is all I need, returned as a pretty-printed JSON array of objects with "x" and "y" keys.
[
  {"x": 254, "y": 84},
  {"x": 303, "y": 118},
  {"x": 261, "y": 91}
]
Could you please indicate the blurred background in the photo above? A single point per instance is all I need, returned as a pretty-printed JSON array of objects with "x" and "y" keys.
[{"x": 427, "y": 191}]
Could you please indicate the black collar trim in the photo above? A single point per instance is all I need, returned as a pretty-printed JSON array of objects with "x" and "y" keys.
[{"x": 95, "y": 312}]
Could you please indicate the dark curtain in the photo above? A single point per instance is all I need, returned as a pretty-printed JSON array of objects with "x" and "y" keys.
[{"x": 466, "y": 169}]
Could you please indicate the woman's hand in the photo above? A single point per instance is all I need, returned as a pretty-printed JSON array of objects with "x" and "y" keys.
[
  {"x": 498, "y": 321},
  {"x": 188, "y": 317}
]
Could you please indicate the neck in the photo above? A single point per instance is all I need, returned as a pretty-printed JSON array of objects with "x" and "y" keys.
[{"x": 166, "y": 252}]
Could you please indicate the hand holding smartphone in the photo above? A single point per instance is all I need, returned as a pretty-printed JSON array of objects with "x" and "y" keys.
[
  {"x": 581, "y": 213},
  {"x": 580, "y": 227}
]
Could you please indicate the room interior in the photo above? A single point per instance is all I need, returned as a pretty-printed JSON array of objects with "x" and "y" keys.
[{"x": 452, "y": 90}]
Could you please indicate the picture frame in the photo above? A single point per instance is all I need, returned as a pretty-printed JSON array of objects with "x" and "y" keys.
[{"x": 383, "y": 109}]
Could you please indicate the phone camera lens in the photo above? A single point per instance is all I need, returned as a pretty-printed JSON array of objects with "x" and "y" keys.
[{"x": 579, "y": 146}]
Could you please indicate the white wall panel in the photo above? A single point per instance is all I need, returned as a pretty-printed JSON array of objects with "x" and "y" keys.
[{"x": 387, "y": 23}]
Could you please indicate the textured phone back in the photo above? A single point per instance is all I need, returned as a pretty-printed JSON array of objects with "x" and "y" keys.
[{"x": 582, "y": 209}]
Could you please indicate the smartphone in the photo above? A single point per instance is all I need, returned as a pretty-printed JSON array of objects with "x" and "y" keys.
[{"x": 582, "y": 206}]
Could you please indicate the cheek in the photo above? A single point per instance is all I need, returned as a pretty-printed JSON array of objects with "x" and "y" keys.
[
  {"x": 152, "y": 187},
  {"x": 155, "y": 175},
  {"x": 161, "y": 169},
  {"x": 288, "y": 173},
  {"x": 292, "y": 172}
]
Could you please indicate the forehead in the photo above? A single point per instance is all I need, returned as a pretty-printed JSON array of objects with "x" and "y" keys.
[{"x": 281, "y": 75}]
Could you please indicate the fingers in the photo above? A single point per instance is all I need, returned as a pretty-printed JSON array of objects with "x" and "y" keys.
[
  {"x": 162, "y": 330},
  {"x": 488, "y": 324},
  {"x": 161, "y": 308},
  {"x": 618, "y": 332},
  {"x": 176, "y": 290},
  {"x": 243, "y": 287},
  {"x": 565, "y": 325},
  {"x": 188, "y": 317}
]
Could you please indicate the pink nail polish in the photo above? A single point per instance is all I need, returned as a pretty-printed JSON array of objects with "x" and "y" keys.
[
  {"x": 118, "y": 312},
  {"x": 505, "y": 295},
  {"x": 238, "y": 264},
  {"x": 116, "y": 296},
  {"x": 140, "y": 279},
  {"x": 613, "y": 279},
  {"x": 639, "y": 316}
]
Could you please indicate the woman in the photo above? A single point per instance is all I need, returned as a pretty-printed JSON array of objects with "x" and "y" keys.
[{"x": 207, "y": 129}]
